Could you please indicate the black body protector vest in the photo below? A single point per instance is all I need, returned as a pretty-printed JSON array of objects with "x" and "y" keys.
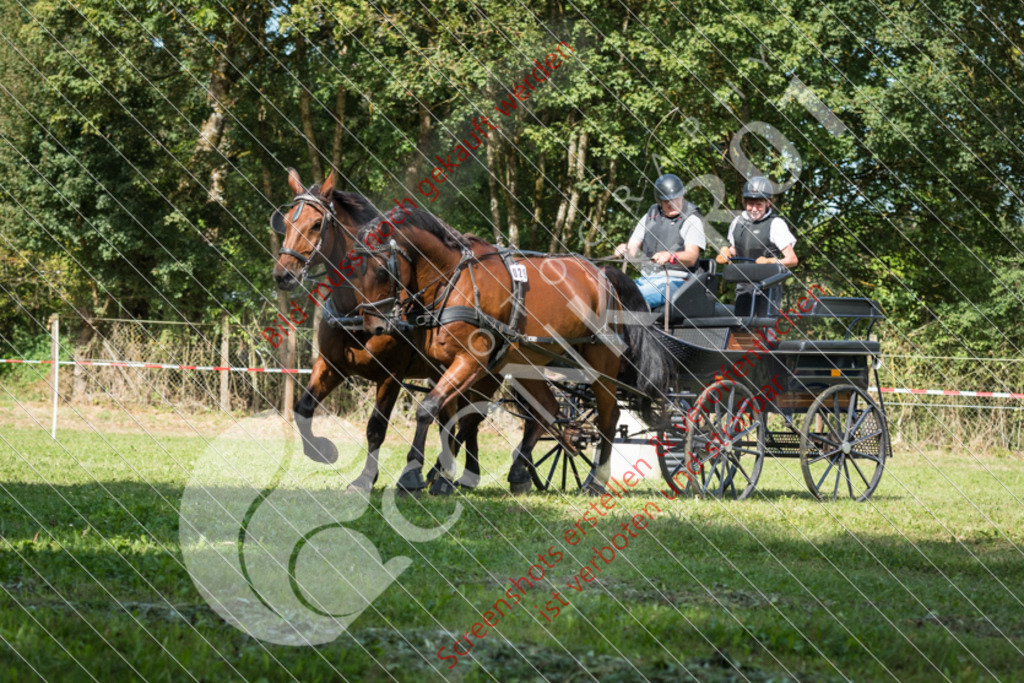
[
  {"x": 662, "y": 234},
  {"x": 754, "y": 238}
]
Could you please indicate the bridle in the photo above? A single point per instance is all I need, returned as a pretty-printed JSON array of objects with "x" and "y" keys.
[
  {"x": 403, "y": 307},
  {"x": 387, "y": 308},
  {"x": 277, "y": 224}
]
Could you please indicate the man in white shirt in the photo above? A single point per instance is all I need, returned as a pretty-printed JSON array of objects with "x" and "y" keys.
[
  {"x": 760, "y": 234},
  {"x": 671, "y": 236}
]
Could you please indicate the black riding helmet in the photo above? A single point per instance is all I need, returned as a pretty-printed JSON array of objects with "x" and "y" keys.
[
  {"x": 758, "y": 187},
  {"x": 668, "y": 186}
]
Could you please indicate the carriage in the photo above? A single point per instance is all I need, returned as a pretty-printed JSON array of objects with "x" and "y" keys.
[
  {"x": 438, "y": 305},
  {"x": 749, "y": 386}
]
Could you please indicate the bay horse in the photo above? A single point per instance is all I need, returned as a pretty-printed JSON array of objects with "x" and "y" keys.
[
  {"x": 478, "y": 313},
  {"x": 318, "y": 228}
]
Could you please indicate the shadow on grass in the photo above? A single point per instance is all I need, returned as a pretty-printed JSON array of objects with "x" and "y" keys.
[{"x": 695, "y": 583}]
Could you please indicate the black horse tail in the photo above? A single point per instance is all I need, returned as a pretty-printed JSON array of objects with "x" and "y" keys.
[{"x": 648, "y": 365}]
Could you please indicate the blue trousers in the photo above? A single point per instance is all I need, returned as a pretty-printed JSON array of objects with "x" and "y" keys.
[{"x": 653, "y": 287}]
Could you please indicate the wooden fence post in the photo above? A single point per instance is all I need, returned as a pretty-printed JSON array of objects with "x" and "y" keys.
[
  {"x": 55, "y": 358},
  {"x": 225, "y": 398}
]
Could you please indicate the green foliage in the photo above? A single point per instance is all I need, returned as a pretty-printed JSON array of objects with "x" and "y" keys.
[{"x": 139, "y": 139}]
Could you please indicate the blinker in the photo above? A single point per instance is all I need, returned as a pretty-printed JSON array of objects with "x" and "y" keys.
[{"x": 277, "y": 222}]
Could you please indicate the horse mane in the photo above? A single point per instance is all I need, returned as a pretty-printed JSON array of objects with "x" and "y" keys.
[
  {"x": 356, "y": 205},
  {"x": 424, "y": 220}
]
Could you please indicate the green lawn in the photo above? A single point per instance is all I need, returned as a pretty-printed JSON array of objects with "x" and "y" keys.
[{"x": 923, "y": 582}]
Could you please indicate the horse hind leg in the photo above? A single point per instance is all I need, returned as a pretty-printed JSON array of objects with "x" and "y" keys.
[
  {"x": 604, "y": 361},
  {"x": 543, "y": 409}
]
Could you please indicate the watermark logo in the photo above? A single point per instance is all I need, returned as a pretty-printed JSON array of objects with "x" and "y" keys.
[{"x": 265, "y": 536}]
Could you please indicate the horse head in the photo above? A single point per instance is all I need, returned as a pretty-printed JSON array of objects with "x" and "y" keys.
[
  {"x": 384, "y": 276},
  {"x": 318, "y": 226}
]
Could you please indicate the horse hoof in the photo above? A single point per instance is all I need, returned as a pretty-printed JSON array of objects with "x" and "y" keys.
[
  {"x": 320, "y": 449},
  {"x": 359, "y": 486},
  {"x": 592, "y": 486},
  {"x": 518, "y": 488},
  {"x": 464, "y": 487},
  {"x": 442, "y": 486},
  {"x": 411, "y": 483},
  {"x": 432, "y": 474}
]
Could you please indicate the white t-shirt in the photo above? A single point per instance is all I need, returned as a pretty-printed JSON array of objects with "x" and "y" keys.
[
  {"x": 692, "y": 232},
  {"x": 779, "y": 232}
]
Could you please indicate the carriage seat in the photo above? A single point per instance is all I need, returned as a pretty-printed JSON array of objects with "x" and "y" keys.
[{"x": 696, "y": 298}]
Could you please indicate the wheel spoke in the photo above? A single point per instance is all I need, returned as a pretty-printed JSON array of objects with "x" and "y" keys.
[
  {"x": 839, "y": 474},
  {"x": 584, "y": 458},
  {"x": 822, "y": 480},
  {"x": 538, "y": 463},
  {"x": 859, "y": 422},
  {"x": 565, "y": 473},
  {"x": 867, "y": 456},
  {"x": 751, "y": 427},
  {"x": 825, "y": 455},
  {"x": 851, "y": 408},
  {"x": 849, "y": 484},
  {"x": 554, "y": 466},
  {"x": 857, "y": 467},
  {"x": 575, "y": 473},
  {"x": 867, "y": 436},
  {"x": 837, "y": 429},
  {"x": 823, "y": 439},
  {"x": 739, "y": 466}
]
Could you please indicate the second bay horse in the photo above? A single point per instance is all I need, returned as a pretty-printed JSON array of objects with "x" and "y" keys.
[{"x": 476, "y": 313}]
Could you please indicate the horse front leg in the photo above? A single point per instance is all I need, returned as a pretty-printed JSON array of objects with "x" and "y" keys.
[
  {"x": 439, "y": 476},
  {"x": 323, "y": 381},
  {"x": 458, "y": 378},
  {"x": 376, "y": 429},
  {"x": 475, "y": 411}
]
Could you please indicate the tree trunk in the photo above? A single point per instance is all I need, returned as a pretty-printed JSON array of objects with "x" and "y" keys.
[
  {"x": 538, "y": 196},
  {"x": 412, "y": 170},
  {"x": 339, "y": 129},
  {"x": 307, "y": 129},
  {"x": 288, "y": 358},
  {"x": 568, "y": 209},
  {"x": 492, "y": 184},
  {"x": 600, "y": 211},
  {"x": 509, "y": 190},
  {"x": 563, "y": 204},
  {"x": 211, "y": 131}
]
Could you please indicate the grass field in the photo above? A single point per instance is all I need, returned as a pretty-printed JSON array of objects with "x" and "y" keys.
[{"x": 924, "y": 582}]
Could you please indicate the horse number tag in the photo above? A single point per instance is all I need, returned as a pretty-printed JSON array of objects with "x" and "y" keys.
[{"x": 518, "y": 271}]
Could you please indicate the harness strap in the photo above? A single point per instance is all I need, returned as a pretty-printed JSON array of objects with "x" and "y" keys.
[{"x": 334, "y": 319}]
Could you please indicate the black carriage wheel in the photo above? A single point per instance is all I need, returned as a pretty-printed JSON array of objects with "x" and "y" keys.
[
  {"x": 721, "y": 450},
  {"x": 572, "y": 435},
  {"x": 844, "y": 444}
]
